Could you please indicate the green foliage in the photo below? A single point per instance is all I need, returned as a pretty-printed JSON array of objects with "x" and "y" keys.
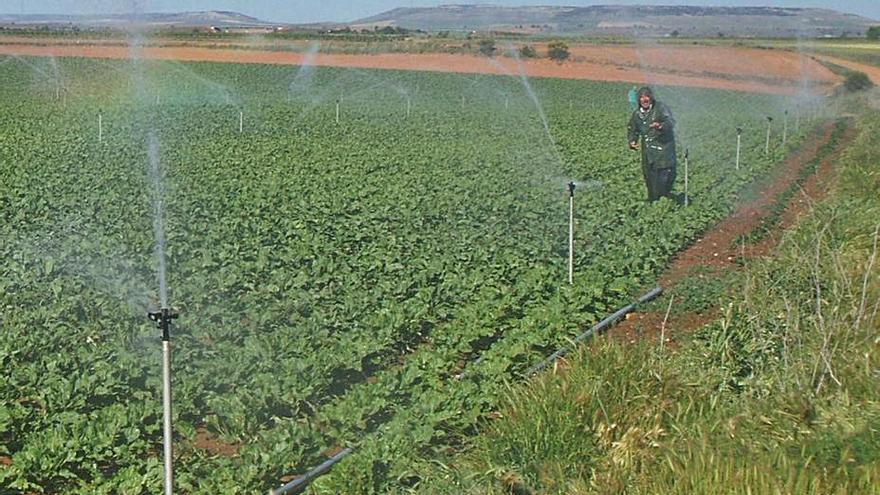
[
  {"x": 334, "y": 278},
  {"x": 873, "y": 33},
  {"x": 528, "y": 51},
  {"x": 487, "y": 47},
  {"x": 558, "y": 51},
  {"x": 857, "y": 81}
]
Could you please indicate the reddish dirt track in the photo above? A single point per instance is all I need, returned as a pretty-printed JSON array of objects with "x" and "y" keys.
[{"x": 721, "y": 67}]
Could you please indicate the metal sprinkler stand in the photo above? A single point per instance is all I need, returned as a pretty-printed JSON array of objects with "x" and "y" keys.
[
  {"x": 767, "y": 146},
  {"x": 784, "y": 128},
  {"x": 570, "y": 187},
  {"x": 739, "y": 132},
  {"x": 687, "y": 153},
  {"x": 163, "y": 319}
]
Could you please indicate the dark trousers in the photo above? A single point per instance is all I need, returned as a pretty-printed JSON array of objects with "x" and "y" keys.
[{"x": 659, "y": 181}]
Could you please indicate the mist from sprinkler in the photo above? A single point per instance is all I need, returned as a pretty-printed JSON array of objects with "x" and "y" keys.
[{"x": 155, "y": 177}]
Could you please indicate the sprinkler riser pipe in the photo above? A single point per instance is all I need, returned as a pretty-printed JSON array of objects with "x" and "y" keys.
[
  {"x": 685, "y": 178},
  {"x": 240, "y": 122},
  {"x": 738, "y": 146},
  {"x": 100, "y": 128},
  {"x": 166, "y": 414},
  {"x": 163, "y": 319},
  {"x": 784, "y": 129},
  {"x": 571, "y": 238}
]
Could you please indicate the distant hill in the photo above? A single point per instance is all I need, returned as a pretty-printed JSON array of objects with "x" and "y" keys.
[
  {"x": 627, "y": 20},
  {"x": 220, "y": 19}
]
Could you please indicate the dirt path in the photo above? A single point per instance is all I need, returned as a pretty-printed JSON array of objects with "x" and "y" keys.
[
  {"x": 716, "y": 253},
  {"x": 872, "y": 71},
  {"x": 721, "y": 67}
]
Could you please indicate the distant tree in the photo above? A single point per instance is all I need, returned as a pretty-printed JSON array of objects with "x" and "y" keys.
[
  {"x": 674, "y": 33},
  {"x": 857, "y": 81},
  {"x": 873, "y": 33},
  {"x": 528, "y": 51},
  {"x": 487, "y": 47},
  {"x": 558, "y": 51}
]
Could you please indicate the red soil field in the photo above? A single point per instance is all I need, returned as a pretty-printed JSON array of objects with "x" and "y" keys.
[{"x": 720, "y": 67}]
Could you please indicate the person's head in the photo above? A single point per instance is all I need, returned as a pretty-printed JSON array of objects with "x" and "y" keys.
[{"x": 646, "y": 97}]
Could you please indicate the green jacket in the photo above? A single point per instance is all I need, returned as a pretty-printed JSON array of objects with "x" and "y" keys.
[{"x": 658, "y": 146}]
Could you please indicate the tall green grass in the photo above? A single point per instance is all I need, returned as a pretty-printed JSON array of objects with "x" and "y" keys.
[{"x": 780, "y": 395}]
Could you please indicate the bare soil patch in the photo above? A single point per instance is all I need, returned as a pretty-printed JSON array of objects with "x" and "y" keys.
[
  {"x": 207, "y": 441},
  {"x": 719, "y": 67}
]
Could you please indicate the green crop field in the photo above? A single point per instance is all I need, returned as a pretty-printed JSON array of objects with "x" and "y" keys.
[{"x": 359, "y": 258}]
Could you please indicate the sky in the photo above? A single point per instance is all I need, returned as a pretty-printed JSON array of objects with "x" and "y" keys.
[{"x": 303, "y": 11}]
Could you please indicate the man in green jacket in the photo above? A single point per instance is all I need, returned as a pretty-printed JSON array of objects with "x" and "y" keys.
[{"x": 650, "y": 129}]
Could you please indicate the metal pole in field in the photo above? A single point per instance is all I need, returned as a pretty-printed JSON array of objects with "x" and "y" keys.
[
  {"x": 767, "y": 145},
  {"x": 506, "y": 102},
  {"x": 686, "y": 155},
  {"x": 100, "y": 127},
  {"x": 240, "y": 121},
  {"x": 784, "y": 127},
  {"x": 163, "y": 321},
  {"x": 571, "y": 186},
  {"x": 337, "y": 111},
  {"x": 408, "y": 106},
  {"x": 739, "y": 132}
]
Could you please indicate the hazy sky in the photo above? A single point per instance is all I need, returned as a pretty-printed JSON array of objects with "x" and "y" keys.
[{"x": 335, "y": 10}]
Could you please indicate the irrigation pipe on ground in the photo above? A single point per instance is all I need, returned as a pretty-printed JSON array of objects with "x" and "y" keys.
[
  {"x": 598, "y": 327},
  {"x": 302, "y": 482}
]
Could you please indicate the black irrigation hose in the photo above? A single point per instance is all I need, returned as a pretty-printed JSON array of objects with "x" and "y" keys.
[
  {"x": 300, "y": 483},
  {"x": 598, "y": 327}
]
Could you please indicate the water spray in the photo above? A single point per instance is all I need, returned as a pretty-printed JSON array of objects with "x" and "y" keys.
[
  {"x": 686, "y": 156},
  {"x": 767, "y": 145},
  {"x": 163, "y": 319},
  {"x": 739, "y": 131},
  {"x": 570, "y": 187}
]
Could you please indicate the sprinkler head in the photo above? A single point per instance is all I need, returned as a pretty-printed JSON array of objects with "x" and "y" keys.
[
  {"x": 769, "y": 119},
  {"x": 570, "y": 187},
  {"x": 687, "y": 153},
  {"x": 739, "y": 130},
  {"x": 163, "y": 319}
]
